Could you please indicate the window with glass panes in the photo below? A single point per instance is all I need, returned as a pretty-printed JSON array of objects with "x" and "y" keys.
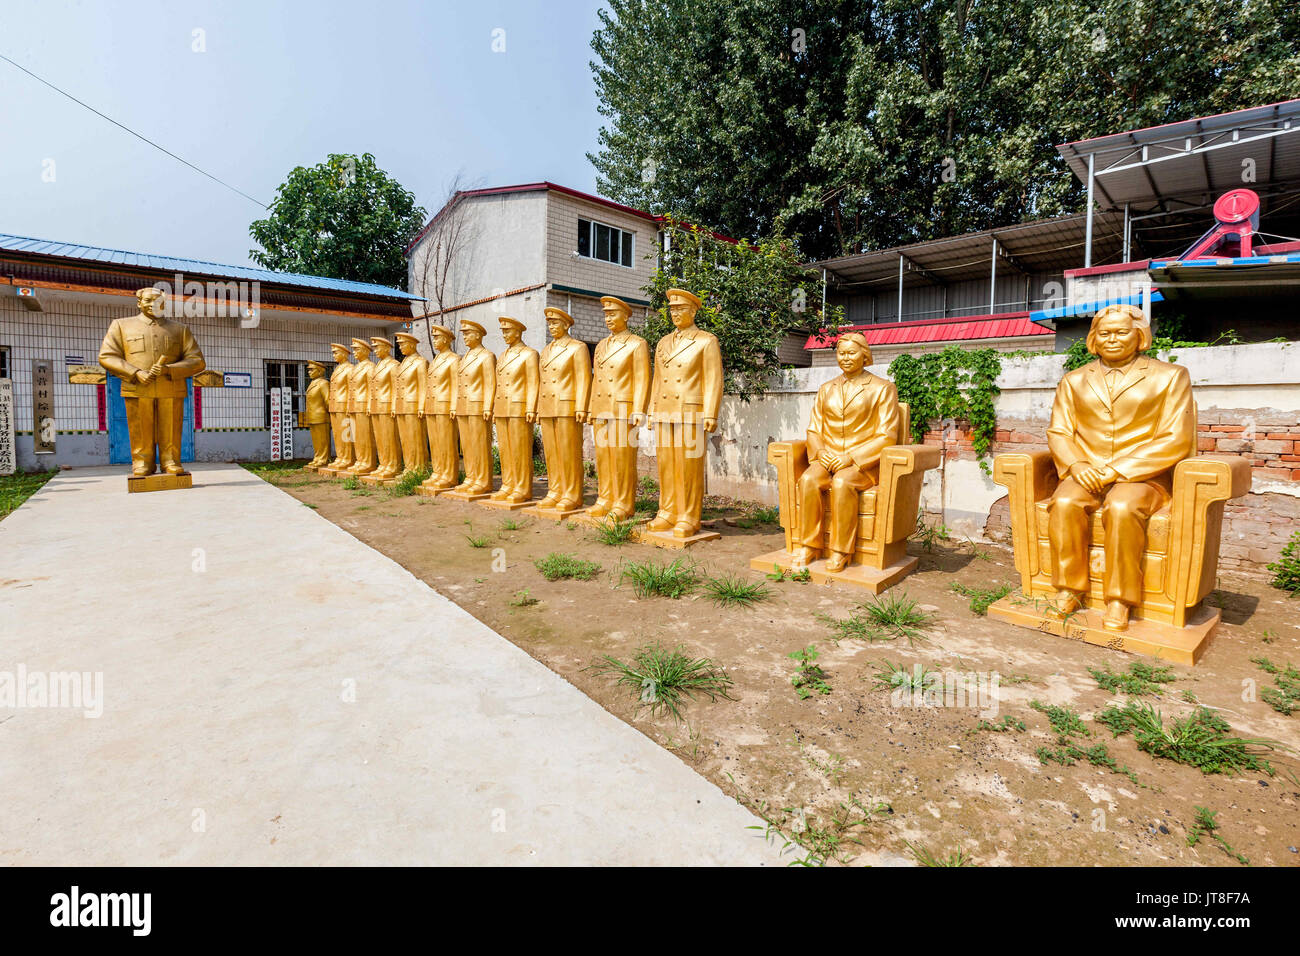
[
  {"x": 4, "y": 361},
  {"x": 606, "y": 243},
  {"x": 281, "y": 375}
]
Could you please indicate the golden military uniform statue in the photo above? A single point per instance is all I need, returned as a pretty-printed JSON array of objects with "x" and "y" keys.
[
  {"x": 562, "y": 410},
  {"x": 316, "y": 414},
  {"x": 515, "y": 411},
  {"x": 153, "y": 357},
  {"x": 408, "y": 404},
  {"x": 359, "y": 409},
  {"x": 685, "y": 399},
  {"x": 620, "y": 395},
  {"x": 854, "y": 418},
  {"x": 1118, "y": 514},
  {"x": 440, "y": 415},
  {"x": 476, "y": 389},
  {"x": 383, "y": 387},
  {"x": 340, "y": 423}
]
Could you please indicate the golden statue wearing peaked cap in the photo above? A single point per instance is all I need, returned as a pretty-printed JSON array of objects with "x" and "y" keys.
[
  {"x": 620, "y": 396},
  {"x": 562, "y": 410},
  {"x": 515, "y": 411},
  {"x": 365, "y": 460},
  {"x": 316, "y": 414},
  {"x": 383, "y": 387},
  {"x": 439, "y": 410},
  {"x": 476, "y": 389},
  {"x": 340, "y": 423},
  {"x": 408, "y": 403}
]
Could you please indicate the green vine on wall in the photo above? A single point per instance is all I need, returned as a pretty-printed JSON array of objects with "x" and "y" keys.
[{"x": 958, "y": 384}]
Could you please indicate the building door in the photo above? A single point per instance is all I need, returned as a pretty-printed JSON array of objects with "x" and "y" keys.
[{"x": 119, "y": 439}]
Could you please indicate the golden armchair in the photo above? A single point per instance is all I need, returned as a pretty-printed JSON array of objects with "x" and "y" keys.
[{"x": 886, "y": 513}]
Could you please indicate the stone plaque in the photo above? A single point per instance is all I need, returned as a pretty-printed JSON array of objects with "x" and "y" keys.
[
  {"x": 43, "y": 423},
  {"x": 8, "y": 454}
]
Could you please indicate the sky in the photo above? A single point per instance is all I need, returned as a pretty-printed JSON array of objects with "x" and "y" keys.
[{"x": 248, "y": 89}]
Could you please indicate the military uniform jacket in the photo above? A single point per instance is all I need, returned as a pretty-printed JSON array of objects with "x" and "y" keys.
[
  {"x": 339, "y": 387},
  {"x": 566, "y": 379},
  {"x": 1141, "y": 426},
  {"x": 688, "y": 377},
  {"x": 518, "y": 377},
  {"x": 440, "y": 385},
  {"x": 621, "y": 377},
  {"x": 382, "y": 386},
  {"x": 476, "y": 382},
  {"x": 134, "y": 344},
  {"x": 409, "y": 387},
  {"x": 855, "y": 418},
  {"x": 359, "y": 388},
  {"x": 317, "y": 411}
]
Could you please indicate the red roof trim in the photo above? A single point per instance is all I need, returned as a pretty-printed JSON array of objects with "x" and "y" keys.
[
  {"x": 968, "y": 328},
  {"x": 1113, "y": 267}
]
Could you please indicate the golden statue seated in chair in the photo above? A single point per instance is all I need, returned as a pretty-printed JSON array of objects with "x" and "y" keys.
[
  {"x": 850, "y": 492},
  {"x": 1116, "y": 528}
]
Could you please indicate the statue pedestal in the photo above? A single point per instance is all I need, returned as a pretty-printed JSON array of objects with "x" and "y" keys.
[
  {"x": 314, "y": 469},
  {"x": 666, "y": 539},
  {"x": 872, "y": 579},
  {"x": 507, "y": 505},
  {"x": 465, "y": 496},
  {"x": 428, "y": 491},
  {"x": 374, "y": 482},
  {"x": 554, "y": 514},
  {"x": 1180, "y": 645},
  {"x": 158, "y": 482}
]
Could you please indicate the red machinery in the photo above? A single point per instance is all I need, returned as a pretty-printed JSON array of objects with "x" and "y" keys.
[{"x": 1236, "y": 215}]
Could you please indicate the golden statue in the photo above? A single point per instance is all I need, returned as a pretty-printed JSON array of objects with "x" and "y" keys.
[
  {"x": 562, "y": 410},
  {"x": 440, "y": 414},
  {"x": 620, "y": 394},
  {"x": 408, "y": 403},
  {"x": 383, "y": 389},
  {"x": 153, "y": 357},
  {"x": 684, "y": 403},
  {"x": 476, "y": 389},
  {"x": 340, "y": 423},
  {"x": 316, "y": 414},
  {"x": 359, "y": 410},
  {"x": 1118, "y": 513},
  {"x": 515, "y": 411}
]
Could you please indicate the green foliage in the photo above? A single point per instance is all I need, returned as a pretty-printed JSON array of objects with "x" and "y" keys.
[
  {"x": 882, "y": 619},
  {"x": 981, "y": 598},
  {"x": 1005, "y": 725},
  {"x": 344, "y": 218},
  {"x": 18, "y": 487},
  {"x": 884, "y": 123},
  {"x": 891, "y": 676},
  {"x": 809, "y": 678},
  {"x": 753, "y": 294},
  {"x": 524, "y": 599},
  {"x": 664, "y": 679},
  {"x": 1077, "y": 355},
  {"x": 820, "y": 841},
  {"x": 956, "y": 384},
  {"x": 477, "y": 541},
  {"x": 728, "y": 590},
  {"x": 1286, "y": 569},
  {"x": 1067, "y": 726},
  {"x": 351, "y": 483},
  {"x": 1207, "y": 824},
  {"x": 802, "y": 576},
  {"x": 1142, "y": 678},
  {"x": 664, "y": 580},
  {"x": 1201, "y": 739},
  {"x": 409, "y": 481},
  {"x": 613, "y": 532},
  {"x": 556, "y": 566},
  {"x": 923, "y": 856},
  {"x": 928, "y": 534},
  {"x": 1285, "y": 697}
]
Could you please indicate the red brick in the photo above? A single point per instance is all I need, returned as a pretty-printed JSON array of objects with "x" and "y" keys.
[
  {"x": 1024, "y": 438},
  {"x": 1281, "y": 474},
  {"x": 1227, "y": 428},
  {"x": 1283, "y": 436},
  {"x": 1205, "y": 444},
  {"x": 1273, "y": 447},
  {"x": 1233, "y": 445}
]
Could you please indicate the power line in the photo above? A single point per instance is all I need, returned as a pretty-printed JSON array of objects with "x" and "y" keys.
[{"x": 132, "y": 132}]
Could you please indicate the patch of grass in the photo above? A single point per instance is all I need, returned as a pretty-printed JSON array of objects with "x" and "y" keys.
[
  {"x": 477, "y": 541},
  {"x": 665, "y": 679},
  {"x": 1284, "y": 697},
  {"x": 351, "y": 483},
  {"x": 1067, "y": 726},
  {"x": 897, "y": 614},
  {"x": 18, "y": 487},
  {"x": 1286, "y": 569},
  {"x": 832, "y": 768},
  {"x": 523, "y": 599},
  {"x": 767, "y": 515},
  {"x": 730, "y": 590},
  {"x": 890, "y": 676},
  {"x": 408, "y": 482},
  {"x": 514, "y": 524},
  {"x": 819, "y": 841},
  {"x": 614, "y": 533},
  {"x": 809, "y": 678},
  {"x": 981, "y": 598},
  {"x": 1005, "y": 725},
  {"x": 928, "y": 534},
  {"x": 308, "y": 504},
  {"x": 1201, "y": 739},
  {"x": 1142, "y": 678},
  {"x": 556, "y": 567},
  {"x": 650, "y": 579},
  {"x": 1207, "y": 824},
  {"x": 803, "y": 575},
  {"x": 923, "y": 856}
]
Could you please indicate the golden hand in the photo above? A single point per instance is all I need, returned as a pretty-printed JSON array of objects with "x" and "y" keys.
[
  {"x": 710, "y": 424},
  {"x": 830, "y": 460}
]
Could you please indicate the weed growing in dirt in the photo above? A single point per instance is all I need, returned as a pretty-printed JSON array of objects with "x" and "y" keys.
[
  {"x": 1285, "y": 697},
  {"x": 664, "y": 679},
  {"x": 1142, "y": 678},
  {"x": 351, "y": 483},
  {"x": 832, "y": 768},
  {"x": 923, "y": 856},
  {"x": 808, "y": 677},
  {"x": 890, "y": 676},
  {"x": 613, "y": 532},
  {"x": 556, "y": 566},
  {"x": 523, "y": 599},
  {"x": 477, "y": 541},
  {"x": 803, "y": 575},
  {"x": 1207, "y": 825},
  {"x": 897, "y": 614},
  {"x": 981, "y": 598},
  {"x": 1286, "y": 569},
  {"x": 928, "y": 534},
  {"x": 514, "y": 524},
  {"x": 821, "y": 842},
  {"x": 409, "y": 481},
  {"x": 661, "y": 580},
  {"x": 1005, "y": 725},
  {"x": 729, "y": 590},
  {"x": 1201, "y": 739},
  {"x": 1067, "y": 725}
]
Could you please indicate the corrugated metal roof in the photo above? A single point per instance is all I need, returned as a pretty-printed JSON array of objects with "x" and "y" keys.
[
  {"x": 198, "y": 267},
  {"x": 1087, "y": 308},
  {"x": 1275, "y": 276},
  {"x": 1001, "y": 325}
]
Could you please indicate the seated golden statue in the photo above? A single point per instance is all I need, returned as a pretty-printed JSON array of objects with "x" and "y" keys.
[
  {"x": 1118, "y": 512},
  {"x": 850, "y": 491}
]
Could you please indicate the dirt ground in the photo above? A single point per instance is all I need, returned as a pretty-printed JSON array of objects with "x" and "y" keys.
[{"x": 934, "y": 784}]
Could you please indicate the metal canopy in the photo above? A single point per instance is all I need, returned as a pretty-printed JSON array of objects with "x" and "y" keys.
[{"x": 1248, "y": 277}]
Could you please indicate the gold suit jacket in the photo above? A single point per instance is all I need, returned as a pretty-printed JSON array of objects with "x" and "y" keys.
[
  {"x": 359, "y": 388},
  {"x": 476, "y": 382},
  {"x": 855, "y": 418},
  {"x": 518, "y": 376},
  {"x": 339, "y": 387},
  {"x": 621, "y": 377},
  {"x": 412, "y": 375},
  {"x": 440, "y": 385},
  {"x": 382, "y": 382},
  {"x": 317, "y": 404},
  {"x": 134, "y": 344},
  {"x": 566, "y": 379},
  {"x": 688, "y": 377},
  {"x": 1142, "y": 432}
]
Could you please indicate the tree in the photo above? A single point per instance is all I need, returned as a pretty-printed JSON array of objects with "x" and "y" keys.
[
  {"x": 871, "y": 124},
  {"x": 440, "y": 263},
  {"x": 344, "y": 218}
]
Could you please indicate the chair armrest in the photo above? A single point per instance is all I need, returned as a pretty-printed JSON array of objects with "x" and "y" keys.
[
  {"x": 1201, "y": 486},
  {"x": 790, "y": 459},
  {"x": 902, "y": 473},
  {"x": 1029, "y": 477}
]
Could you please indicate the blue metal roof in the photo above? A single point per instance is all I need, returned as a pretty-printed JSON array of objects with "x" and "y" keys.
[
  {"x": 1087, "y": 308},
  {"x": 143, "y": 260}
]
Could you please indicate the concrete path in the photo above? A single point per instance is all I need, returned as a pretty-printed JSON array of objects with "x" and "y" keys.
[{"x": 276, "y": 692}]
